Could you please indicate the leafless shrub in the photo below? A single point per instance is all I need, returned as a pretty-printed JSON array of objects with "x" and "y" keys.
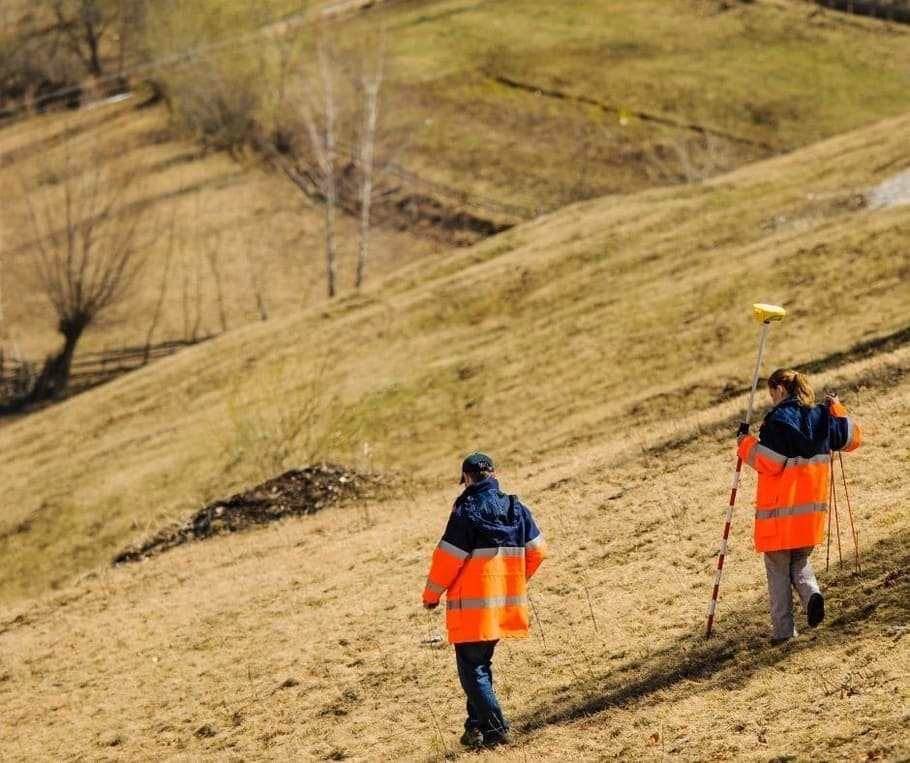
[
  {"x": 275, "y": 423},
  {"x": 215, "y": 91},
  {"x": 212, "y": 102},
  {"x": 35, "y": 73},
  {"x": 684, "y": 156}
]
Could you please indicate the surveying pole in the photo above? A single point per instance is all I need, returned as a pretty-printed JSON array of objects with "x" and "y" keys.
[{"x": 765, "y": 314}]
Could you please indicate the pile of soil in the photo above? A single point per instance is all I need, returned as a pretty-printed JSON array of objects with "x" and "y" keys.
[{"x": 294, "y": 493}]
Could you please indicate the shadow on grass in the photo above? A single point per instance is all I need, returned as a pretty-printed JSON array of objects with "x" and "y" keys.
[{"x": 879, "y": 596}]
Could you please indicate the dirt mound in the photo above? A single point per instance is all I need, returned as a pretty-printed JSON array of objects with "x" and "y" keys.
[{"x": 294, "y": 493}]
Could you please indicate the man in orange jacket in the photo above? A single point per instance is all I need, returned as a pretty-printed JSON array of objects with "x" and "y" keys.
[
  {"x": 489, "y": 550},
  {"x": 792, "y": 457}
]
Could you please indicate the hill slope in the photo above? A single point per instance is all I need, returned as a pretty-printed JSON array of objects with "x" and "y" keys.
[
  {"x": 229, "y": 241},
  {"x": 493, "y": 105},
  {"x": 602, "y": 353}
]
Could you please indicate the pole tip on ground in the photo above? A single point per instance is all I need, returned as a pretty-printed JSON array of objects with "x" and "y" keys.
[{"x": 765, "y": 313}]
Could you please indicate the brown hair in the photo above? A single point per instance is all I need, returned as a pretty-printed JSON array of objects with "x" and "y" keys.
[{"x": 796, "y": 385}]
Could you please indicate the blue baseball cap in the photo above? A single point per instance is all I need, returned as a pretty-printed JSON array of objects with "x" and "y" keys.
[{"x": 476, "y": 462}]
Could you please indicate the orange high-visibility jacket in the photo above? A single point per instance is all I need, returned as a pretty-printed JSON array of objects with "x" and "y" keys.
[
  {"x": 792, "y": 457},
  {"x": 490, "y": 549}
]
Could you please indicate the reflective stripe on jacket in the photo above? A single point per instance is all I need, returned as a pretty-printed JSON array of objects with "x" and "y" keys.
[
  {"x": 490, "y": 549},
  {"x": 792, "y": 457}
]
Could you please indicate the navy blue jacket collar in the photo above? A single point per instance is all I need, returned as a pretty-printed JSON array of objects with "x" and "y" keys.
[{"x": 480, "y": 487}]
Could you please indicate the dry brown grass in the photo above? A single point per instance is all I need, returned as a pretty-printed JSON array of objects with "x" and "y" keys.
[
  {"x": 303, "y": 640},
  {"x": 774, "y": 74},
  {"x": 603, "y": 355}
]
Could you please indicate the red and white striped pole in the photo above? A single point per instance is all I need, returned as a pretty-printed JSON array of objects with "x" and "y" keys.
[
  {"x": 765, "y": 314},
  {"x": 723, "y": 548}
]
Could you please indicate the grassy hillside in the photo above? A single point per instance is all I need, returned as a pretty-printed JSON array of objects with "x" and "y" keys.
[
  {"x": 602, "y": 354},
  {"x": 601, "y": 350},
  {"x": 532, "y": 105},
  {"x": 539, "y": 104},
  {"x": 211, "y": 221},
  {"x": 619, "y": 309}
]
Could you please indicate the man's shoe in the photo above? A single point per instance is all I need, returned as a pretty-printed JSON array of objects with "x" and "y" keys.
[
  {"x": 498, "y": 739},
  {"x": 472, "y": 738},
  {"x": 815, "y": 609}
]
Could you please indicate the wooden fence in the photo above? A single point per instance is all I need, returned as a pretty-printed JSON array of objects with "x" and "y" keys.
[
  {"x": 18, "y": 376},
  {"x": 94, "y": 368}
]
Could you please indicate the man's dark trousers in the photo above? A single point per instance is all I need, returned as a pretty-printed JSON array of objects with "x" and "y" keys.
[{"x": 475, "y": 671}]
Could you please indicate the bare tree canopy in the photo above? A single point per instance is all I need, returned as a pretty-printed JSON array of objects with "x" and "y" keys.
[
  {"x": 307, "y": 144},
  {"x": 96, "y": 31},
  {"x": 83, "y": 24},
  {"x": 88, "y": 250}
]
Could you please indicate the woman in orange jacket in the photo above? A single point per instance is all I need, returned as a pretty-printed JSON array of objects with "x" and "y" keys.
[{"x": 792, "y": 456}]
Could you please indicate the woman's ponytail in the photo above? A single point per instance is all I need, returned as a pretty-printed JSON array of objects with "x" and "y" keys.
[{"x": 796, "y": 384}]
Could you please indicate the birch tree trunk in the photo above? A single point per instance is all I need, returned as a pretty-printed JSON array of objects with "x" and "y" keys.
[
  {"x": 371, "y": 87},
  {"x": 323, "y": 145}
]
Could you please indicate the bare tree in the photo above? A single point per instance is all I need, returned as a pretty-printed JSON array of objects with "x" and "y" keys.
[
  {"x": 212, "y": 256},
  {"x": 322, "y": 143},
  {"x": 2, "y": 337},
  {"x": 83, "y": 24},
  {"x": 192, "y": 296},
  {"x": 305, "y": 145},
  {"x": 311, "y": 110},
  {"x": 130, "y": 17},
  {"x": 197, "y": 301},
  {"x": 93, "y": 30},
  {"x": 370, "y": 82},
  {"x": 162, "y": 289},
  {"x": 88, "y": 253},
  {"x": 1, "y": 296},
  {"x": 255, "y": 267}
]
